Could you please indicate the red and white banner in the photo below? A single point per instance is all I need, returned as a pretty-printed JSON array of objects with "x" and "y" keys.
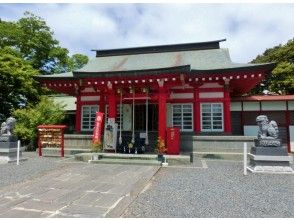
[{"x": 98, "y": 127}]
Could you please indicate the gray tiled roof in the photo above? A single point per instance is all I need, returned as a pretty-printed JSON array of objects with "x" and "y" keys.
[
  {"x": 60, "y": 75},
  {"x": 198, "y": 60},
  {"x": 207, "y": 60}
]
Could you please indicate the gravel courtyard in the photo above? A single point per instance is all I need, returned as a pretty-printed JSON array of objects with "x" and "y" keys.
[
  {"x": 209, "y": 188},
  {"x": 218, "y": 191}
]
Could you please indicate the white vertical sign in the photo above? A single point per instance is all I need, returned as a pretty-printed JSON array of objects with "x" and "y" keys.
[
  {"x": 245, "y": 158},
  {"x": 17, "y": 155}
]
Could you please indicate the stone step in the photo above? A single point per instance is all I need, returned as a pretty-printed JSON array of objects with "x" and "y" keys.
[
  {"x": 127, "y": 161},
  {"x": 129, "y": 156},
  {"x": 171, "y": 159}
]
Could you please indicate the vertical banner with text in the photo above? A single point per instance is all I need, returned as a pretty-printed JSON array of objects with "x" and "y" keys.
[{"x": 98, "y": 127}]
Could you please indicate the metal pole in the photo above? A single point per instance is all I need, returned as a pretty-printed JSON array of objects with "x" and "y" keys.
[
  {"x": 17, "y": 155},
  {"x": 245, "y": 158}
]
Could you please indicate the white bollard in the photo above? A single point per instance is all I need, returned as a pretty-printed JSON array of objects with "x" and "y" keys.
[
  {"x": 17, "y": 155},
  {"x": 245, "y": 159}
]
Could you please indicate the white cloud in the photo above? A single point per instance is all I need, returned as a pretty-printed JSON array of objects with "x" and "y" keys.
[{"x": 249, "y": 28}]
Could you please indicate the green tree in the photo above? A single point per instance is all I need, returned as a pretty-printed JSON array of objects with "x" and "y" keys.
[
  {"x": 45, "y": 112},
  {"x": 28, "y": 48},
  {"x": 17, "y": 86},
  {"x": 74, "y": 62},
  {"x": 34, "y": 40},
  {"x": 282, "y": 78}
]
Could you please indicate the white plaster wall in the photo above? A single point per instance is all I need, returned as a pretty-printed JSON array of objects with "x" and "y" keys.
[
  {"x": 169, "y": 115},
  {"x": 181, "y": 95},
  {"x": 273, "y": 105},
  {"x": 291, "y": 105},
  {"x": 291, "y": 131},
  {"x": 236, "y": 106},
  {"x": 211, "y": 95},
  {"x": 127, "y": 117},
  {"x": 185, "y": 86},
  {"x": 250, "y": 130},
  {"x": 211, "y": 85},
  {"x": 251, "y": 106},
  {"x": 90, "y": 98},
  {"x": 88, "y": 89}
]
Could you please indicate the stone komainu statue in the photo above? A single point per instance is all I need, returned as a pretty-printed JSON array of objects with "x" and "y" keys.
[
  {"x": 8, "y": 126},
  {"x": 267, "y": 130}
]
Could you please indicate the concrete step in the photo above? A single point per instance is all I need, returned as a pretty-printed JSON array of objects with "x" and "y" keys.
[
  {"x": 127, "y": 161},
  {"x": 144, "y": 158},
  {"x": 129, "y": 156}
]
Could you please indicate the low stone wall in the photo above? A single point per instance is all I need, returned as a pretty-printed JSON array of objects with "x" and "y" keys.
[
  {"x": 77, "y": 141},
  {"x": 186, "y": 143},
  {"x": 222, "y": 143},
  {"x": 221, "y": 147}
]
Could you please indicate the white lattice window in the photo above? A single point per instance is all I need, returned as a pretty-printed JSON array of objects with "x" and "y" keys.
[
  {"x": 183, "y": 116},
  {"x": 88, "y": 117},
  {"x": 212, "y": 117}
]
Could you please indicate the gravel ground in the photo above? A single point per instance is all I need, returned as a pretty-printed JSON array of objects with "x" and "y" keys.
[
  {"x": 219, "y": 191},
  {"x": 31, "y": 168}
]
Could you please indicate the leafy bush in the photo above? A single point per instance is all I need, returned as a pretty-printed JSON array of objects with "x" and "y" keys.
[
  {"x": 161, "y": 149},
  {"x": 96, "y": 147},
  {"x": 45, "y": 112}
]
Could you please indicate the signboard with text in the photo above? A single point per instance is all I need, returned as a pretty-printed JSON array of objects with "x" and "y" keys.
[{"x": 110, "y": 135}]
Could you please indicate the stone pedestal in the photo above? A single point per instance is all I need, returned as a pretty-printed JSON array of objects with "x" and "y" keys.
[
  {"x": 269, "y": 160},
  {"x": 8, "y": 149}
]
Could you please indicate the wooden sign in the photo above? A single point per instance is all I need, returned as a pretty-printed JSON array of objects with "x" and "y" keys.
[{"x": 51, "y": 136}]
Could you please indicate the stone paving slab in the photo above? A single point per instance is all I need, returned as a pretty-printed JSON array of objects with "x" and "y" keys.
[
  {"x": 76, "y": 190},
  {"x": 24, "y": 214}
]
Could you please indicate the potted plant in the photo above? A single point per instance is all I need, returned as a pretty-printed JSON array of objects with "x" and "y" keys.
[
  {"x": 161, "y": 149},
  {"x": 130, "y": 146},
  {"x": 96, "y": 147}
]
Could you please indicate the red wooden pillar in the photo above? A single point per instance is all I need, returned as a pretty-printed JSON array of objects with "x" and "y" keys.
[
  {"x": 102, "y": 109},
  {"x": 162, "y": 97},
  {"x": 196, "y": 112},
  {"x": 288, "y": 122},
  {"x": 78, "y": 114},
  {"x": 111, "y": 104},
  {"x": 227, "y": 112}
]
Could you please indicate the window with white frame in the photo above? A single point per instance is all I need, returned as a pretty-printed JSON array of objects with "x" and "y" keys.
[
  {"x": 88, "y": 117},
  {"x": 212, "y": 117},
  {"x": 118, "y": 115},
  {"x": 182, "y": 115}
]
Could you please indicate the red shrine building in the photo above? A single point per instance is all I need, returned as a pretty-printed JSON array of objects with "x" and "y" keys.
[{"x": 193, "y": 86}]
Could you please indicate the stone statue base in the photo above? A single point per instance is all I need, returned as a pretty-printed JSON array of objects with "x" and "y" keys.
[
  {"x": 8, "y": 149},
  {"x": 267, "y": 142},
  {"x": 8, "y": 138},
  {"x": 270, "y": 160}
]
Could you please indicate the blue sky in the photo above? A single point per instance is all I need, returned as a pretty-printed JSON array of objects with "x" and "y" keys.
[{"x": 248, "y": 28}]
